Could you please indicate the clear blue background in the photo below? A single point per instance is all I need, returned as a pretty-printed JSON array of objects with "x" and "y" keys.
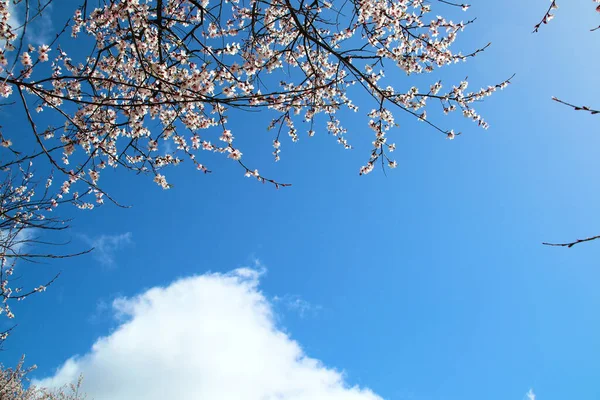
[{"x": 432, "y": 282}]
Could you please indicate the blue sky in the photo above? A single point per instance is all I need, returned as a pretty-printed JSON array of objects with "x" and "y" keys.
[{"x": 428, "y": 283}]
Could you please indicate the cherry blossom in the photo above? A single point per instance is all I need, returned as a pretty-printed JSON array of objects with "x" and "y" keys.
[{"x": 14, "y": 384}]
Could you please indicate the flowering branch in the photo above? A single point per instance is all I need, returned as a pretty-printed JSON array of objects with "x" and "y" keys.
[{"x": 548, "y": 16}]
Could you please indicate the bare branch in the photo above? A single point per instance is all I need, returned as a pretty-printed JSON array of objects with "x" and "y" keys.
[
  {"x": 571, "y": 244},
  {"x": 577, "y": 108}
]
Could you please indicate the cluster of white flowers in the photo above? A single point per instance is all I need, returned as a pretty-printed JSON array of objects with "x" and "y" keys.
[{"x": 14, "y": 384}]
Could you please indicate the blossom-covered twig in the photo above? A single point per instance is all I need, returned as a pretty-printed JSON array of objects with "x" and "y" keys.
[{"x": 548, "y": 16}]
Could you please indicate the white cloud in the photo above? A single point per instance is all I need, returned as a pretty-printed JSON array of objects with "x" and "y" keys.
[
  {"x": 531, "y": 395},
  {"x": 41, "y": 28},
  {"x": 16, "y": 243},
  {"x": 102, "y": 313},
  {"x": 13, "y": 20},
  {"x": 209, "y": 337},
  {"x": 105, "y": 246},
  {"x": 297, "y": 304}
]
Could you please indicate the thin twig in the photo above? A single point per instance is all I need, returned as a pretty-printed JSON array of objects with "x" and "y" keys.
[
  {"x": 571, "y": 244},
  {"x": 577, "y": 108}
]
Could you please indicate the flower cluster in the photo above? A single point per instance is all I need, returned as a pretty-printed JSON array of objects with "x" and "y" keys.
[{"x": 15, "y": 384}]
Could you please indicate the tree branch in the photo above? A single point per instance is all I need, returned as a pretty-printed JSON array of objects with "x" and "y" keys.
[{"x": 571, "y": 244}]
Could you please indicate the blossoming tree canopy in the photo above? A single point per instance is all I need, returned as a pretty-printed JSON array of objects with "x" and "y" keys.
[
  {"x": 152, "y": 75},
  {"x": 187, "y": 63}
]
